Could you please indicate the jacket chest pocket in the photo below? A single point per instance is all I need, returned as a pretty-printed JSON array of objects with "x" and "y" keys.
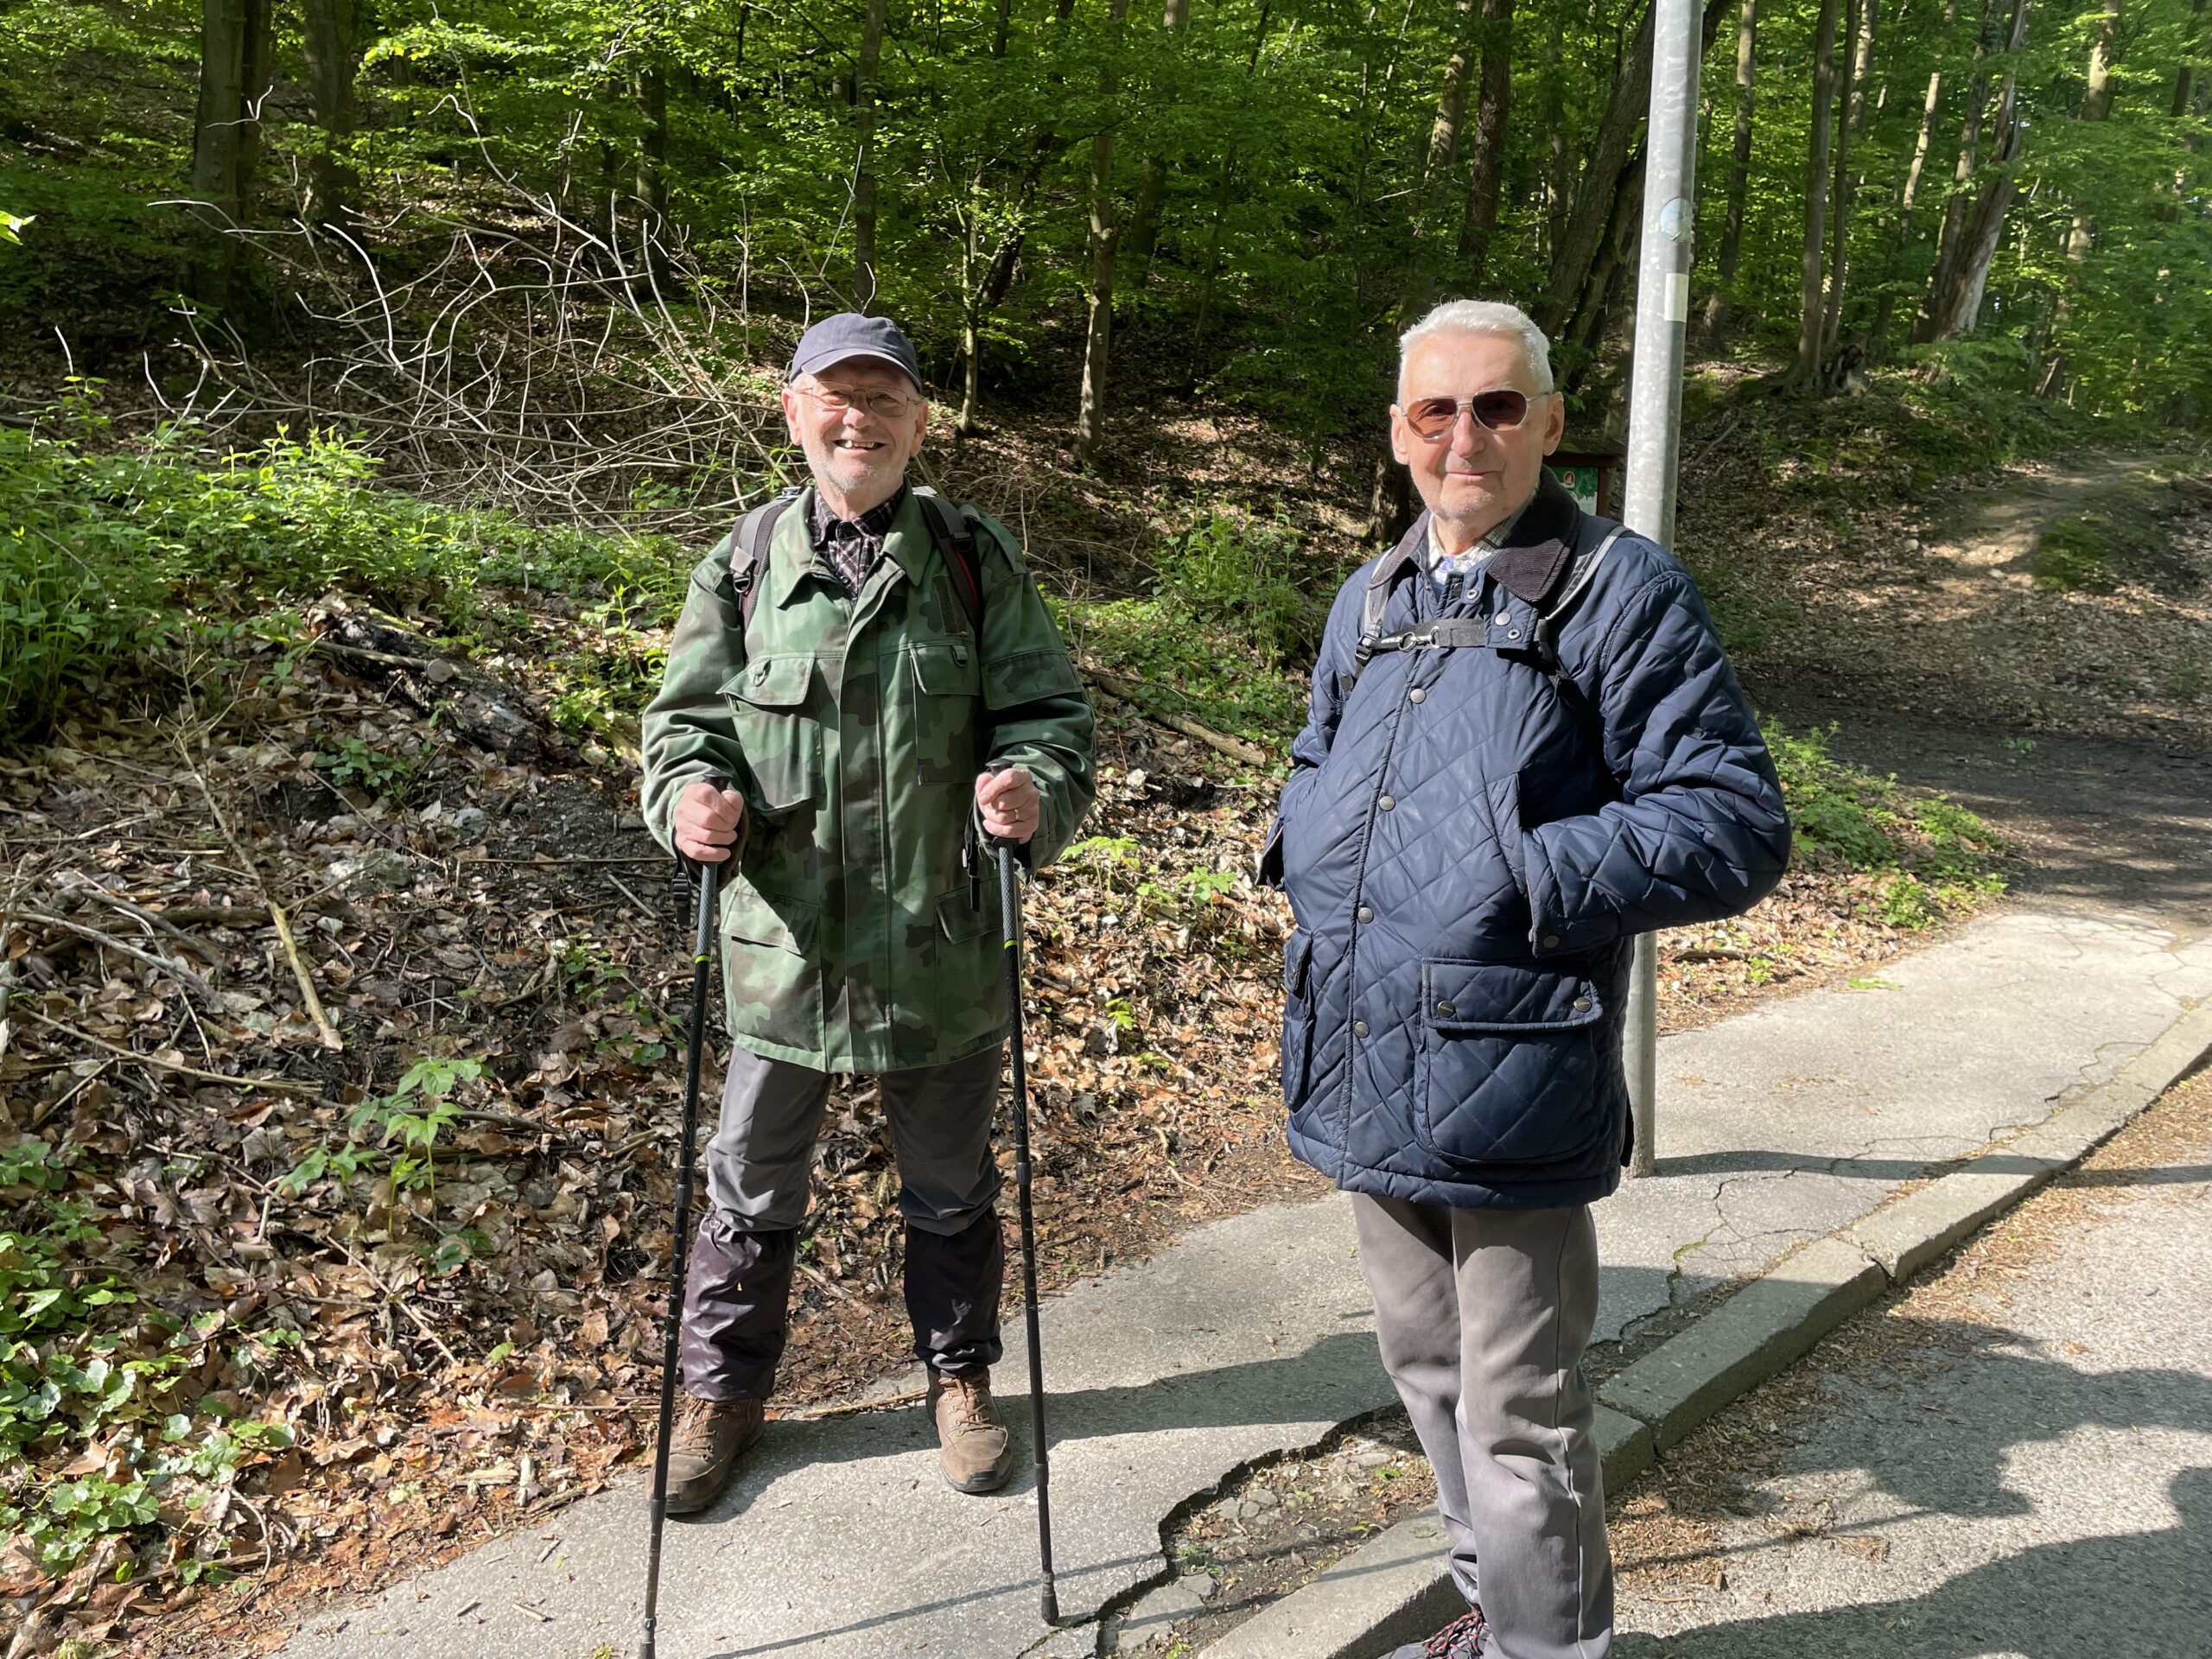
[
  {"x": 782, "y": 744},
  {"x": 1507, "y": 1069},
  {"x": 1297, "y": 1017}
]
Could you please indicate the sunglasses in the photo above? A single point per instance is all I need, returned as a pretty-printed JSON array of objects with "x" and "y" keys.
[{"x": 1433, "y": 418}]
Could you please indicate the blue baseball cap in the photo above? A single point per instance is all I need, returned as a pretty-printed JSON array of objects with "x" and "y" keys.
[{"x": 849, "y": 334}]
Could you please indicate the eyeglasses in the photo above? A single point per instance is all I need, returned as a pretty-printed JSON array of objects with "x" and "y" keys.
[
  {"x": 884, "y": 405},
  {"x": 1433, "y": 418}
]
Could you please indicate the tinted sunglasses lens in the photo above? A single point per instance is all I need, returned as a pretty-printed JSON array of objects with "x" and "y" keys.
[
  {"x": 1431, "y": 417},
  {"x": 1500, "y": 408}
]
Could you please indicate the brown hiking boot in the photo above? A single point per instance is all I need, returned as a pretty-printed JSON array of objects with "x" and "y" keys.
[
  {"x": 703, "y": 1451},
  {"x": 972, "y": 1444}
]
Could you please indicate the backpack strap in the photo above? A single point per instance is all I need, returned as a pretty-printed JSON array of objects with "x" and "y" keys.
[
  {"x": 1544, "y": 649},
  {"x": 748, "y": 550},
  {"x": 953, "y": 530}
]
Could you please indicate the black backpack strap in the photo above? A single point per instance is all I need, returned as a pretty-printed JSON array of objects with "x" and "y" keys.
[
  {"x": 748, "y": 550},
  {"x": 1543, "y": 648},
  {"x": 954, "y": 531}
]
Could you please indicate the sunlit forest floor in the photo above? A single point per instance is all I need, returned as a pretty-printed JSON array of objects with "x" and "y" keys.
[{"x": 387, "y": 1319}]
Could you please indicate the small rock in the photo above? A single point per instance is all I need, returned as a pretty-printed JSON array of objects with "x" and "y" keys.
[
  {"x": 468, "y": 825},
  {"x": 1228, "y": 1509},
  {"x": 1373, "y": 1459},
  {"x": 1261, "y": 1498}
]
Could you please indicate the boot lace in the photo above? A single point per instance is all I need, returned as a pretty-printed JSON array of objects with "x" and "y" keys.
[
  {"x": 971, "y": 1401},
  {"x": 694, "y": 1426},
  {"x": 1461, "y": 1639}
]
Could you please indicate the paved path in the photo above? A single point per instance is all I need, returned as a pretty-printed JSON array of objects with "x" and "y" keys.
[
  {"x": 2017, "y": 1466},
  {"x": 1252, "y": 1337}
]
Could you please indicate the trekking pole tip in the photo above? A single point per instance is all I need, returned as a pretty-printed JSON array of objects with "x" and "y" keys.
[{"x": 1051, "y": 1604}]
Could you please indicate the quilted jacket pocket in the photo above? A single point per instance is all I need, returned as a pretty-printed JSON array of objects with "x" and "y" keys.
[
  {"x": 1507, "y": 1070},
  {"x": 1297, "y": 1016}
]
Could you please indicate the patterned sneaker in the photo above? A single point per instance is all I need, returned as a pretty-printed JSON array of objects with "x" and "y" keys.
[{"x": 1464, "y": 1637}]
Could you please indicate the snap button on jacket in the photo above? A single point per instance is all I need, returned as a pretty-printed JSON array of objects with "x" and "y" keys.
[
  {"x": 855, "y": 727},
  {"x": 1463, "y": 1046}
]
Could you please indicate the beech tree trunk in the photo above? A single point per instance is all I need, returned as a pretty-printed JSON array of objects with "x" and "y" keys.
[
  {"x": 1815, "y": 263},
  {"x": 234, "y": 48},
  {"x": 332, "y": 32},
  {"x": 1493, "y": 103},
  {"x": 1941, "y": 277},
  {"x": 2096, "y": 105},
  {"x": 1878, "y": 336},
  {"x": 864, "y": 283},
  {"x": 1957, "y": 308},
  {"x": 1105, "y": 241},
  {"x": 1152, "y": 190},
  {"x": 1739, "y": 170},
  {"x": 1859, "y": 30}
]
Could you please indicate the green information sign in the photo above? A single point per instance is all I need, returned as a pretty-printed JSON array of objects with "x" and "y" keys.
[{"x": 1581, "y": 483}]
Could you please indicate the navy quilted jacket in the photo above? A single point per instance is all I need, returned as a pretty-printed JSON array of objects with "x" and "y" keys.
[{"x": 1467, "y": 877}]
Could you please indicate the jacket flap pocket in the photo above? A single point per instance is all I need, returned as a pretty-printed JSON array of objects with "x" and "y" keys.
[
  {"x": 947, "y": 670},
  {"x": 771, "y": 681},
  {"x": 769, "y": 918},
  {"x": 1026, "y": 676},
  {"x": 1296, "y": 958},
  {"x": 1462, "y": 997}
]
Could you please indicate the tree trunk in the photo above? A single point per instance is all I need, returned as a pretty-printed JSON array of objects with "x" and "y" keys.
[
  {"x": 1104, "y": 243},
  {"x": 226, "y": 128},
  {"x": 1578, "y": 240},
  {"x": 1859, "y": 31},
  {"x": 2184, "y": 80},
  {"x": 1221, "y": 196},
  {"x": 1549, "y": 121},
  {"x": 331, "y": 31},
  {"x": 1878, "y": 336},
  {"x": 864, "y": 283},
  {"x": 1624, "y": 232},
  {"x": 1493, "y": 103},
  {"x": 1941, "y": 276},
  {"x": 649, "y": 176},
  {"x": 1957, "y": 309},
  {"x": 1152, "y": 190},
  {"x": 1815, "y": 263},
  {"x": 1739, "y": 170},
  {"x": 2096, "y": 105}
]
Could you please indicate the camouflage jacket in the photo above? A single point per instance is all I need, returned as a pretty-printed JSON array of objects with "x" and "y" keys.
[{"x": 855, "y": 728}]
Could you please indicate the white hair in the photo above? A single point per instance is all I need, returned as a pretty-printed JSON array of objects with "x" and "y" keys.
[{"x": 1481, "y": 317}]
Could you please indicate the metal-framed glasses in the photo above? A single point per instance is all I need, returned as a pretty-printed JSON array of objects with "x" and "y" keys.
[
  {"x": 1433, "y": 418},
  {"x": 884, "y": 405}
]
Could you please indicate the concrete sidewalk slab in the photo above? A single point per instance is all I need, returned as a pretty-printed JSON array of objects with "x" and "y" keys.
[{"x": 1253, "y": 1336}]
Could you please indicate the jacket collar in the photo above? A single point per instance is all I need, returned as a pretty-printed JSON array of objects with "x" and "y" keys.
[
  {"x": 1535, "y": 555},
  {"x": 791, "y": 553}
]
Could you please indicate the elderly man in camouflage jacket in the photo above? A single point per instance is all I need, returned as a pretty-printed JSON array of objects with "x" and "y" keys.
[{"x": 891, "y": 685}]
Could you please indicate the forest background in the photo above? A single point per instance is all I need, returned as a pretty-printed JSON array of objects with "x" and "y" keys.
[{"x": 371, "y": 374}]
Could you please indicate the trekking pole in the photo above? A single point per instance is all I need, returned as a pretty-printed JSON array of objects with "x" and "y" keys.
[
  {"x": 680, "y": 1256},
  {"x": 1010, "y": 909}
]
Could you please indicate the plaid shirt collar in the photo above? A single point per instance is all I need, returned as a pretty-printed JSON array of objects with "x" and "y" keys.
[
  {"x": 853, "y": 545},
  {"x": 1443, "y": 566}
]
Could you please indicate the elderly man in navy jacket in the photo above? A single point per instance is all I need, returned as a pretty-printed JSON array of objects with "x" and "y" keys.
[{"x": 1525, "y": 748}]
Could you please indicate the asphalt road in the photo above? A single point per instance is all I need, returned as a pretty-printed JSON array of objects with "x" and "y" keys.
[{"x": 2011, "y": 1460}]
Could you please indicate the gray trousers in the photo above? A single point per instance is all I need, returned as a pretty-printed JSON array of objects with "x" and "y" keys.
[
  {"x": 760, "y": 1173},
  {"x": 1483, "y": 1316}
]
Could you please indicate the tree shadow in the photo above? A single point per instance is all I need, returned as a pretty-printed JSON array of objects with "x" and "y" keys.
[{"x": 2148, "y": 1594}]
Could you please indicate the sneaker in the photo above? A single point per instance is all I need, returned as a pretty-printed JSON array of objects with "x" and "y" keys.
[
  {"x": 711, "y": 1436},
  {"x": 972, "y": 1444},
  {"x": 1464, "y": 1637}
]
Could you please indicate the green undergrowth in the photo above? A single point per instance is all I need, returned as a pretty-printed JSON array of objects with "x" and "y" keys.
[
  {"x": 113, "y": 553},
  {"x": 1930, "y": 858}
]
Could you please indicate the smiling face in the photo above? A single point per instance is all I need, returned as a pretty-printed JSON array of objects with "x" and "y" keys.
[
  {"x": 1473, "y": 479},
  {"x": 858, "y": 456}
]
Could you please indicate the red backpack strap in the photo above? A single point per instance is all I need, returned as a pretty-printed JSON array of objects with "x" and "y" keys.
[{"x": 954, "y": 532}]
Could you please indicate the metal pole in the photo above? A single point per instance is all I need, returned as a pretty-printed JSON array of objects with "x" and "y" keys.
[{"x": 1662, "y": 309}]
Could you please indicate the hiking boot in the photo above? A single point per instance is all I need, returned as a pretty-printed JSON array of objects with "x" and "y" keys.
[
  {"x": 1464, "y": 1637},
  {"x": 972, "y": 1444},
  {"x": 702, "y": 1452}
]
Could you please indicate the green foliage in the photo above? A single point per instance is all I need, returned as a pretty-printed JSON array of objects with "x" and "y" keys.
[
  {"x": 1228, "y": 570},
  {"x": 77, "y": 1364},
  {"x": 2071, "y": 556},
  {"x": 110, "y": 552},
  {"x": 356, "y": 765},
  {"x": 1927, "y": 853}
]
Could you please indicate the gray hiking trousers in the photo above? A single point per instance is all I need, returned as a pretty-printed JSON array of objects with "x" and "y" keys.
[
  {"x": 760, "y": 1169},
  {"x": 1483, "y": 1316}
]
